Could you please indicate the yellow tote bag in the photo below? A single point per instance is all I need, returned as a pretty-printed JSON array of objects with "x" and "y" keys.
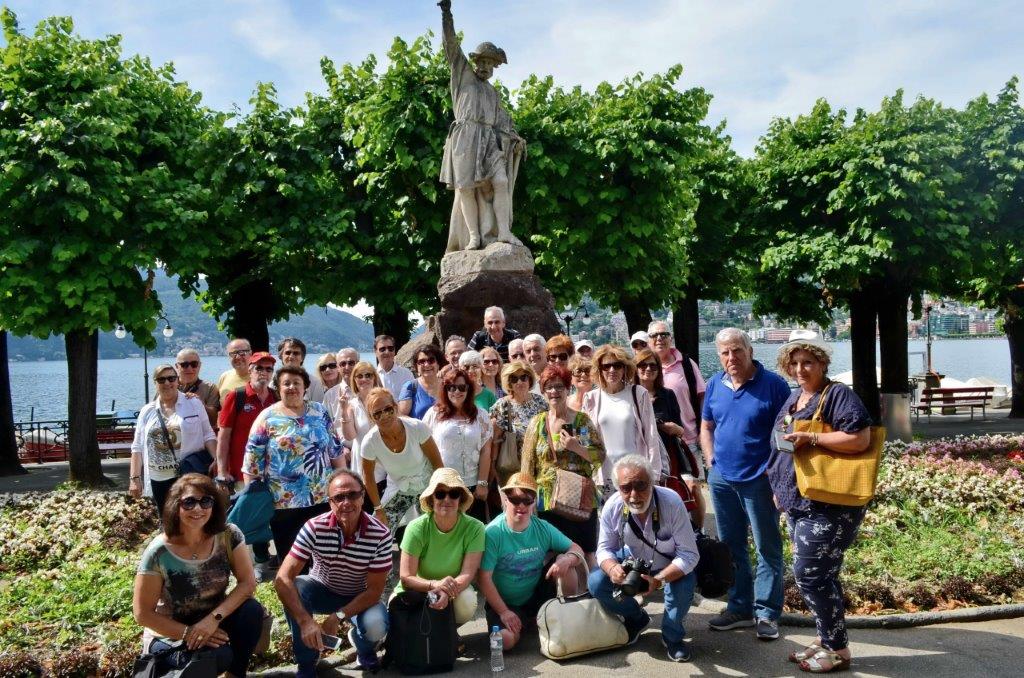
[{"x": 836, "y": 477}]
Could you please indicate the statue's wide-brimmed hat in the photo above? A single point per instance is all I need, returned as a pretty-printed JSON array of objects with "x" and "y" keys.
[{"x": 490, "y": 51}]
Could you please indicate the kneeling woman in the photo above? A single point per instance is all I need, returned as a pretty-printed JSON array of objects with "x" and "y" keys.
[
  {"x": 441, "y": 550},
  {"x": 181, "y": 588}
]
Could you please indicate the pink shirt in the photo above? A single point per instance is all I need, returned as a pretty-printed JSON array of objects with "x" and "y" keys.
[{"x": 675, "y": 379}]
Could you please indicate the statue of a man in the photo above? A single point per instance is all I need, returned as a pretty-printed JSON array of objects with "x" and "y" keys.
[{"x": 482, "y": 151}]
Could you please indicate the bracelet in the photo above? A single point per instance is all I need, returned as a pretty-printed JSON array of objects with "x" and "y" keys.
[
  {"x": 376, "y": 508},
  {"x": 481, "y": 483},
  {"x": 184, "y": 634},
  {"x": 130, "y": 478},
  {"x": 814, "y": 439}
]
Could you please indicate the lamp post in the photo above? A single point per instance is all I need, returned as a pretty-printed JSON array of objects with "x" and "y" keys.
[
  {"x": 168, "y": 332},
  {"x": 928, "y": 330},
  {"x": 570, "y": 318}
]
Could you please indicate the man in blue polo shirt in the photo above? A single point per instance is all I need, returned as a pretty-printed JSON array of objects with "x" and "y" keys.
[{"x": 740, "y": 406}]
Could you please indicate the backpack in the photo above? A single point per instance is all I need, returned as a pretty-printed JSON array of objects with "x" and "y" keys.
[
  {"x": 714, "y": 570},
  {"x": 420, "y": 639}
]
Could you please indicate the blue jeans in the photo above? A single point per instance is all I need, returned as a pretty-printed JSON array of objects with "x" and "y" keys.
[
  {"x": 678, "y": 597},
  {"x": 243, "y": 627},
  {"x": 737, "y": 507},
  {"x": 371, "y": 625}
]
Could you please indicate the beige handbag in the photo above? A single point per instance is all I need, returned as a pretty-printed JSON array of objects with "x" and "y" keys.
[
  {"x": 508, "y": 455},
  {"x": 576, "y": 626}
]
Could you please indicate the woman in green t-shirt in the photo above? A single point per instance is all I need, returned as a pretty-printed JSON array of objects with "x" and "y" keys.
[{"x": 441, "y": 550}]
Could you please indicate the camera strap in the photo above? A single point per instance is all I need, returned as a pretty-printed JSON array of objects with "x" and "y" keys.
[{"x": 656, "y": 524}]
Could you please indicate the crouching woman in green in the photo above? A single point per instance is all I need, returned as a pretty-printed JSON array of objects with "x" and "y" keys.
[{"x": 181, "y": 588}]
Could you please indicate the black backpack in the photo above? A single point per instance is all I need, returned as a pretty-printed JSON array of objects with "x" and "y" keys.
[
  {"x": 715, "y": 574},
  {"x": 420, "y": 639}
]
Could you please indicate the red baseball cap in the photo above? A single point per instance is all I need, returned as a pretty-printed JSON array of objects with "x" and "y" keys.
[{"x": 260, "y": 357}]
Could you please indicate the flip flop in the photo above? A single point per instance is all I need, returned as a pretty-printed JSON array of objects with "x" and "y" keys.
[{"x": 797, "y": 656}]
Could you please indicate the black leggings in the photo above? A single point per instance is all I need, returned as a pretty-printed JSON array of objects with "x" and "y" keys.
[
  {"x": 160, "y": 489},
  {"x": 286, "y": 523}
]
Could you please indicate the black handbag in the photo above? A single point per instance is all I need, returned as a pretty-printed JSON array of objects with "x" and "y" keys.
[
  {"x": 715, "y": 572},
  {"x": 176, "y": 660},
  {"x": 420, "y": 639}
]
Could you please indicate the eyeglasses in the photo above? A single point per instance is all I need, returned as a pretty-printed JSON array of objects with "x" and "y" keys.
[
  {"x": 328, "y": 366},
  {"x": 647, "y": 366},
  {"x": 351, "y": 497},
  {"x": 240, "y": 352},
  {"x": 440, "y": 494},
  {"x": 517, "y": 356},
  {"x": 380, "y": 414},
  {"x": 365, "y": 375},
  {"x": 639, "y": 344},
  {"x": 660, "y": 335},
  {"x": 581, "y": 372},
  {"x": 426, "y": 361},
  {"x": 347, "y": 363},
  {"x": 452, "y": 388},
  {"x": 189, "y": 503},
  {"x": 385, "y": 349},
  {"x": 607, "y": 367},
  {"x": 491, "y": 361},
  {"x": 556, "y": 387},
  {"x": 558, "y": 357},
  {"x": 298, "y": 353},
  {"x": 521, "y": 501},
  {"x": 262, "y": 368},
  {"x": 189, "y": 364},
  {"x": 170, "y": 378},
  {"x": 516, "y": 378},
  {"x": 638, "y": 485}
]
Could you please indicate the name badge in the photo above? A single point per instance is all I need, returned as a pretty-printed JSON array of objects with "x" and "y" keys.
[{"x": 248, "y": 407}]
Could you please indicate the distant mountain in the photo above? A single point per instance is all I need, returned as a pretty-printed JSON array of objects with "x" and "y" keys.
[{"x": 322, "y": 329}]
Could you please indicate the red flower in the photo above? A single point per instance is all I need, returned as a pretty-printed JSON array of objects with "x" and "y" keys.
[{"x": 1016, "y": 455}]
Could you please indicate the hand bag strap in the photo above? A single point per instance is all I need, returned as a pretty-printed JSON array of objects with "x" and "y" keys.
[
  {"x": 821, "y": 402},
  {"x": 163, "y": 427}
]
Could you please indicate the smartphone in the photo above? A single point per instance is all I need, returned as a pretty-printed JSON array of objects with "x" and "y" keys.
[
  {"x": 330, "y": 642},
  {"x": 569, "y": 429},
  {"x": 781, "y": 443}
]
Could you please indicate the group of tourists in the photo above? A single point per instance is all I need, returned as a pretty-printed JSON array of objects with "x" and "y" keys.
[{"x": 501, "y": 466}]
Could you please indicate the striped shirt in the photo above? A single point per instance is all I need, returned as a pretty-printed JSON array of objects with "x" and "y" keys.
[{"x": 342, "y": 565}]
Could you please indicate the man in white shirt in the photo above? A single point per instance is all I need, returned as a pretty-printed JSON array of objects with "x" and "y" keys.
[{"x": 391, "y": 374}]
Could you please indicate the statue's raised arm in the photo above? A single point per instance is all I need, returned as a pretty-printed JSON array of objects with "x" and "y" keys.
[{"x": 482, "y": 151}]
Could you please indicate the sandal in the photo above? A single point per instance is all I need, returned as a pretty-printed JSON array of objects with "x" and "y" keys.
[
  {"x": 813, "y": 664},
  {"x": 797, "y": 656}
]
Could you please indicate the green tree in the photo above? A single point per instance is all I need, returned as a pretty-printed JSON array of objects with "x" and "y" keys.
[
  {"x": 95, "y": 188},
  {"x": 994, "y": 165}
]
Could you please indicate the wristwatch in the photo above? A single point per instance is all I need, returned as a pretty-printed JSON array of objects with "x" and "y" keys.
[
  {"x": 481, "y": 483},
  {"x": 218, "y": 616}
]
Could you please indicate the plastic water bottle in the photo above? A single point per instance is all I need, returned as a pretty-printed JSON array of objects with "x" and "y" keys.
[{"x": 497, "y": 657}]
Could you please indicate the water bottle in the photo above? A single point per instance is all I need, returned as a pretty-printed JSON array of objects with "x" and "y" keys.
[{"x": 497, "y": 658}]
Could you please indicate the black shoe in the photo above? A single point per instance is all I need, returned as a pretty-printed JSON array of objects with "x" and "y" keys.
[{"x": 635, "y": 628}]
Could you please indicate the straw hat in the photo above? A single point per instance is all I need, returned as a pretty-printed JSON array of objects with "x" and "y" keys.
[
  {"x": 801, "y": 338},
  {"x": 520, "y": 481},
  {"x": 451, "y": 479}
]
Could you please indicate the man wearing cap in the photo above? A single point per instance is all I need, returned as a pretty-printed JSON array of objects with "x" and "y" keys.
[
  {"x": 682, "y": 376},
  {"x": 482, "y": 151},
  {"x": 512, "y": 577},
  {"x": 238, "y": 351},
  {"x": 639, "y": 341},
  {"x": 494, "y": 335},
  {"x": 585, "y": 348}
]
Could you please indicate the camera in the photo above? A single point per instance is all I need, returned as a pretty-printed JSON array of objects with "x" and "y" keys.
[{"x": 634, "y": 582}]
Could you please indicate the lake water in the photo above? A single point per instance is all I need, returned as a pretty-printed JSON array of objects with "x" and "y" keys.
[{"x": 40, "y": 389}]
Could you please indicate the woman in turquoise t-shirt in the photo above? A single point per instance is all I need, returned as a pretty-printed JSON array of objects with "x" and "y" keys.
[{"x": 441, "y": 550}]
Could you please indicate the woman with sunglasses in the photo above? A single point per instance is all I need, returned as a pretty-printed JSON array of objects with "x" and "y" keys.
[
  {"x": 441, "y": 550},
  {"x": 513, "y": 413},
  {"x": 567, "y": 440},
  {"x": 181, "y": 587},
  {"x": 669, "y": 419},
  {"x": 491, "y": 373},
  {"x": 560, "y": 350},
  {"x": 169, "y": 429},
  {"x": 420, "y": 394},
  {"x": 354, "y": 419},
  {"x": 473, "y": 363},
  {"x": 294, "y": 446},
  {"x": 463, "y": 435},
  {"x": 622, "y": 413},
  {"x": 327, "y": 376},
  {"x": 404, "y": 448},
  {"x": 579, "y": 367}
]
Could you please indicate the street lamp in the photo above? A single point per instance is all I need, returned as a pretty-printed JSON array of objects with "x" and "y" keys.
[
  {"x": 570, "y": 318},
  {"x": 168, "y": 332}
]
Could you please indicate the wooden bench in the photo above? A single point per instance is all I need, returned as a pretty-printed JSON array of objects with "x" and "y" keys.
[{"x": 951, "y": 398}]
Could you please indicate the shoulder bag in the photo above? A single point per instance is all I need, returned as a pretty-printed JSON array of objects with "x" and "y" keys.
[
  {"x": 836, "y": 477},
  {"x": 509, "y": 459},
  {"x": 572, "y": 495},
  {"x": 577, "y": 625},
  {"x": 420, "y": 639}
]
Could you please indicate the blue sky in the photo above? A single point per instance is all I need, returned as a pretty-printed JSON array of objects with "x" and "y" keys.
[{"x": 759, "y": 58}]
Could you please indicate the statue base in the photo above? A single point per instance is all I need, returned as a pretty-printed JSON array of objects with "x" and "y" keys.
[{"x": 502, "y": 275}]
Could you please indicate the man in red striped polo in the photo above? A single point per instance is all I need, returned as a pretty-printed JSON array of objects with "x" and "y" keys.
[{"x": 351, "y": 554}]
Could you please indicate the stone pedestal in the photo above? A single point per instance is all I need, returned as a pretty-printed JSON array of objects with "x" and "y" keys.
[{"x": 498, "y": 275}]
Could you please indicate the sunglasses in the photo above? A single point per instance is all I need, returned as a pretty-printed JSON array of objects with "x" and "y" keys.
[
  {"x": 516, "y": 378},
  {"x": 189, "y": 364},
  {"x": 660, "y": 335},
  {"x": 328, "y": 366},
  {"x": 366, "y": 375},
  {"x": 606, "y": 367},
  {"x": 163, "y": 380},
  {"x": 581, "y": 372},
  {"x": 240, "y": 352},
  {"x": 647, "y": 366},
  {"x": 347, "y": 363},
  {"x": 492, "y": 361},
  {"x": 385, "y": 349},
  {"x": 559, "y": 357},
  {"x": 261, "y": 368},
  {"x": 380, "y": 414},
  {"x": 521, "y": 501},
  {"x": 440, "y": 495},
  {"x": 452, "y": 388},
  {"x": 351, "y": 497},
  {"x": 298, "y": 353},
  {"x": 517, "y": 356},
  {"x": 556, "y": 387},
  {"x": 189, "y": 503},
  {"x": 639, "y": 486},
  {"x": 639, "y": 344},
  {"x": 426, "y": 361}
]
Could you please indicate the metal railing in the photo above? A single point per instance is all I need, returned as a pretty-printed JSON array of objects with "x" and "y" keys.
[{"x": 44, "y": 441}]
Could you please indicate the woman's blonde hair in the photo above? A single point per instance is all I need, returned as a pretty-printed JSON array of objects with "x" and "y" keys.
[
  {"x": 515, "y": 368},
  {"x": 360, "y": 367},
  {"x": 611, "y": 353},
  {"x": 325, "y": 358},
  {"x": 379, "y": 397},
  {"x": 787, "y": 350}
]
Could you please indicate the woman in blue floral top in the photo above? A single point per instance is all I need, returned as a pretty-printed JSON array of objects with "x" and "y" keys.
[
  {"x": 294, "y": 445},
  {"x": 563, "y": 439}
]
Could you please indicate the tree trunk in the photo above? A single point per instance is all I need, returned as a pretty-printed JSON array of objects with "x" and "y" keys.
[
  {"x": 1014, "y": 328},
  {"x": 892, "y": 335},
  {"x": 862, "y": 335},
  {"x": 395, "y": 323},
  {"x": 83, "y": 451},
  {"x": 9, "y": 463},
  {"x": 638, "y": 316},
  {"x": 251, "y": 304},
  {"x": 686, "y": 324}
]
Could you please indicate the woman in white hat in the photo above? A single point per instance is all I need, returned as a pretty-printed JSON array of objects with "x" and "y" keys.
[{"x": 441, "y": 550}]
